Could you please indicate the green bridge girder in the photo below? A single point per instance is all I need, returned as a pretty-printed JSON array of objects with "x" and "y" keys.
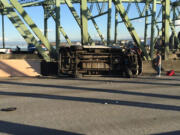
[
  {"x": 176, "y": 3},
  {"x": 52, "y": 9},
  {"x": 23, "y": 30}
]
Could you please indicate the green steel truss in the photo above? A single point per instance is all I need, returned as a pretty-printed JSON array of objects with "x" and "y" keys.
[{"x": 160, "y": 15}]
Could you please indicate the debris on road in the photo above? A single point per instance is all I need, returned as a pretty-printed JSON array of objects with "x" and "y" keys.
[{"x": 8, "y": 109}]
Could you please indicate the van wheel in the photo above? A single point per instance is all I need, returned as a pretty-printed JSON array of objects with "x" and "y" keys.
[{"x": 128, "y": 72}]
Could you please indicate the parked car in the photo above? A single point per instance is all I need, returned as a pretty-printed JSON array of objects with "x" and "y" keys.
[
  {"x": 32, "y": 48},
  {"x": 5, "y": 50}
]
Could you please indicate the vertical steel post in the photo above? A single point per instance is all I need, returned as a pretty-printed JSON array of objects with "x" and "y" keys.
[
  {"x": 116, "y": 26},
  {"x": 146, "y": 23},
  {"x": 173, "y": 34},
  {"x": 57, "y": 27},
  {"x": 46, "y": 27},
  {"x": 165, "y": 28},
  {"x": 84, "y": 22},
  {"x": 3, "y": 35},
  {"x": 45, "y": 22},
  {"x": 109, "y": 22},
  {"x": 153, "y": 21},
  {"x": 174, "y": 14}
]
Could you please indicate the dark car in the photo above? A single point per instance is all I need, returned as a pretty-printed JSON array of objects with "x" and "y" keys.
[{"x": 32, "y": 48}]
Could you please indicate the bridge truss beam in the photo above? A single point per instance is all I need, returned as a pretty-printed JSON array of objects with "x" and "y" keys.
[{"x": 52, "y": 9}]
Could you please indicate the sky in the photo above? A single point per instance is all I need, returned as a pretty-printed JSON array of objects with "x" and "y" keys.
[{"x": 71, "y": 27}]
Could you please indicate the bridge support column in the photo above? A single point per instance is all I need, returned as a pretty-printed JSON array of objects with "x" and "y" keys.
[{"x": 165, "y": 28}]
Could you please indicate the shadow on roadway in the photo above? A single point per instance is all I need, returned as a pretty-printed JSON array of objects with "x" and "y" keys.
[
  {"x": 95, "y": 100},
  {"x": 91, "y": 89},
  {"x": 21, "y": 129},
  {"x": 128, "y": 80},
  {"x": 169, "y": 133}
]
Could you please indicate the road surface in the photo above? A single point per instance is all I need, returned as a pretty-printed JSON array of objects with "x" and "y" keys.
[{"x": 146, "y": 105}]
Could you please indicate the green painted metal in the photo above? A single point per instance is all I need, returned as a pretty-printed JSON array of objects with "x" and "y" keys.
[
  {"x": 159, "y": 14},
  {"x": 38, "y": 3},
  {"x": 175, "y": 36},
  {"x": 144, "y": 9},
  {"x": 31, "y": 24},
  {"x": 45, "y": 21},
  {"x": 131, "y": 29},
  {"x": 46, "y": 27},
  {"x": 138, "y": 9},
  {"x": 146, "y": 23},
  {"x": 100, "y": 8},
  {"x": 96, "y": 27},
  {"x": 77, "y": 18},
  {"x": 153, "y": 23},
  {"x": 57, "y": 28},
  {"x": 136, "y": 18},
  {"x": 20, "y": 26},
  {"x": 84, "y": 22},
  {"x": 128, "y": 7},
  {"x": 33, "y": 3},
  {"x": 93, "y": 17},
  {"x": 53, "y": 10},
  {"x": 73, "y": 11},
  {"x": 25, "y": 33},
  {"x": 178, "y": 10},
  {"x": 116, "y": 26},
  {"x": 174, "y": 15},
  {"x": 61, "y": 29},
  {"x": 65, "y": 35},
  {"x": 165, "y": 28},
  {"x": 3, "y": 33},
  {"x": 177, "y": 3},
  {"x": 109, "y": 22}
]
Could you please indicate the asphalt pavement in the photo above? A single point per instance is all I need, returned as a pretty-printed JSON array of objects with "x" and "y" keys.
[{"x": 146, "y": 105}]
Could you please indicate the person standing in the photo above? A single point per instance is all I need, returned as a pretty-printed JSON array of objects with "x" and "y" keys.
[{"x": 158, "y": 63}]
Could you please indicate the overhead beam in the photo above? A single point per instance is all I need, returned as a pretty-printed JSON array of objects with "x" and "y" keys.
[
  {"x": 34, "y": 3},
  {"x": 93, "y": 17}
]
